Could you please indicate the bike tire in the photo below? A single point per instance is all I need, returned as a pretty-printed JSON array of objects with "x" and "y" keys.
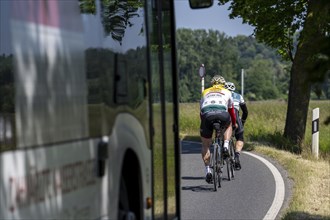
[
  {"x": 219, "y": 170},
  {"x": 232, "y": 159},
  {"x": 228, "y": 168},
  {"x": 212, "y": 163},
  {"x": 232, "y": 169},
  {"x": 215, "y": 167}
]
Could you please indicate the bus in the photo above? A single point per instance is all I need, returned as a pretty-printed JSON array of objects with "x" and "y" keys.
[{"x": 89, "y": 109}]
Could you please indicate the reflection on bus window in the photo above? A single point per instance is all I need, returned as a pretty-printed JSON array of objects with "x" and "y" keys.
[{"x": 116, "y": 60}]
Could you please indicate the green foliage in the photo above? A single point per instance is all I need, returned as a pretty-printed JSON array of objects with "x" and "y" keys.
[
  {"x": 275, "y": 22},
  {"x": 185, "y": 94},
  {"x": 87, "y": 6},
  {"x": 266, "y": 75}
]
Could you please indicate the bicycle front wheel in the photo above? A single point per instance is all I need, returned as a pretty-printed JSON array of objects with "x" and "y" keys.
[
  {"x": 228, "y": 168},
  {"x": 232, "y": 159}
]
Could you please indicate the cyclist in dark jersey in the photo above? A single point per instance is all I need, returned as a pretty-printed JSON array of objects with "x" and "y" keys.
[{"x": 239, "y": 103}]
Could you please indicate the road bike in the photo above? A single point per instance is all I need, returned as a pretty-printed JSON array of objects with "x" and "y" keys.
[{"x": 219, "y": 159}]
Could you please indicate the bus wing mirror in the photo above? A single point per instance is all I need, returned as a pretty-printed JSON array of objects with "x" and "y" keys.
[{"x": 195, "y": 4}]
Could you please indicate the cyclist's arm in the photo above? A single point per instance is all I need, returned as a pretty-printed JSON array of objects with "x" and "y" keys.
[
  {"x": 232, "y": 115},
  {"x": 245, "y": 111}
]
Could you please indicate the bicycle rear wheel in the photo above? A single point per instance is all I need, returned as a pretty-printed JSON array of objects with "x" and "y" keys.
[
  {"x": 219, "y": 166},
  {"x": 215, "y": 166}
]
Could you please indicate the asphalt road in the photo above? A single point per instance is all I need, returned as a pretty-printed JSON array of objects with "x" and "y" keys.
[{"x": 249, "y": 196}]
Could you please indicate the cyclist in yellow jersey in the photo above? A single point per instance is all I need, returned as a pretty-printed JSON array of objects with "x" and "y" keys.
[{"x": 216, "y": 105}]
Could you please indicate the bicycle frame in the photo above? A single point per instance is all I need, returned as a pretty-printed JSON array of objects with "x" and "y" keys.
[{"x": 217, "y": 157}]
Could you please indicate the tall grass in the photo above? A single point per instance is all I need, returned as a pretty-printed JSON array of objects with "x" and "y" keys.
[
  {"x": 265, "y": 123},
  {"x": 310, "y": 198},
  {"x": 189, "y": 120}
]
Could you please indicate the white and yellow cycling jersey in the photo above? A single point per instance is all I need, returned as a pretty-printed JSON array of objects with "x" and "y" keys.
[{"x": 216, "y": 98}]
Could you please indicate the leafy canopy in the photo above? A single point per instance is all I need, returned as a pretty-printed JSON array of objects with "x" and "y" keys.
[{"x": 275, "y": 22}]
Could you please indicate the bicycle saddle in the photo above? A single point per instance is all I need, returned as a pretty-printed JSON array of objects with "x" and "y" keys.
[{"x": 217, "y": 125}]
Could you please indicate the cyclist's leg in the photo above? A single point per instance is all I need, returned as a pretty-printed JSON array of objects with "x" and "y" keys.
[
  {"x": 239, "y": 145},
  {"x": 228, "y": 133},
  {"x": 239, "y": 135},
  {"x": 206, "y": 138},
  {"x": 206, "y": 143},
  {"x": 226, "y": 121}
]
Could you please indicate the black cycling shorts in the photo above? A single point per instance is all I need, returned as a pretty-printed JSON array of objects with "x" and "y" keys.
[{"x": 208, "y": 118}]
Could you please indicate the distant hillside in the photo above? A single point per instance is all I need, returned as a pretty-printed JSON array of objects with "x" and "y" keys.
[{"x": 266, "y": 75}]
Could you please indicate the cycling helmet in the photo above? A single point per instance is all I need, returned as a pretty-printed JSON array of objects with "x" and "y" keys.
[
  {"x": 230, "y": 86},
  {"x": 218, "y": 80}
]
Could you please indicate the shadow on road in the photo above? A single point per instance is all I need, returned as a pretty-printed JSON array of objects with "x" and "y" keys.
[
  {"x": 200, "y": 188},
  {"x": 192, "y": 178},
  {"x": 303, "y": 215},
  {"x": 190, "y": 148},
  {"x": 203, "y": 188}
]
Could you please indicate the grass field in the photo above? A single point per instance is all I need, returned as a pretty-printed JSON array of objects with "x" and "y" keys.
[
  {"x": 263, "y": 134},
  {"x": 265, "y": 123}
]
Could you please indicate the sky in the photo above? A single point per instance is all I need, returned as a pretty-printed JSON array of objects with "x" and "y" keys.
[{"x": 215, "y": 18}]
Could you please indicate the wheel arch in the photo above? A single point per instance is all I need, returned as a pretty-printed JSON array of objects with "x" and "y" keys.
[{"x": 131, "y": 186}]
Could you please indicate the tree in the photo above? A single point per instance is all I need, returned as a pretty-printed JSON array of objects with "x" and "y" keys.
[
  {"x": 259, "y": 80},
  {"x": 227, "y": 56},
  {"x": 185, "y": 95},
  {"x": 276, "y": 24}
]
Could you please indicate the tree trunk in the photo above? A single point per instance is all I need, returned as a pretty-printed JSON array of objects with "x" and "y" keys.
[
  {"x": 299, "y": 94},
  {"x": 300, "y": 86}
]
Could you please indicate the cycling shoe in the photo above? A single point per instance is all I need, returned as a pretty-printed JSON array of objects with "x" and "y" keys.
[
  {"x": 208, "y": 178},
  {"x": 237, "y": 164},
  {"x": 225, "y": 152}
]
